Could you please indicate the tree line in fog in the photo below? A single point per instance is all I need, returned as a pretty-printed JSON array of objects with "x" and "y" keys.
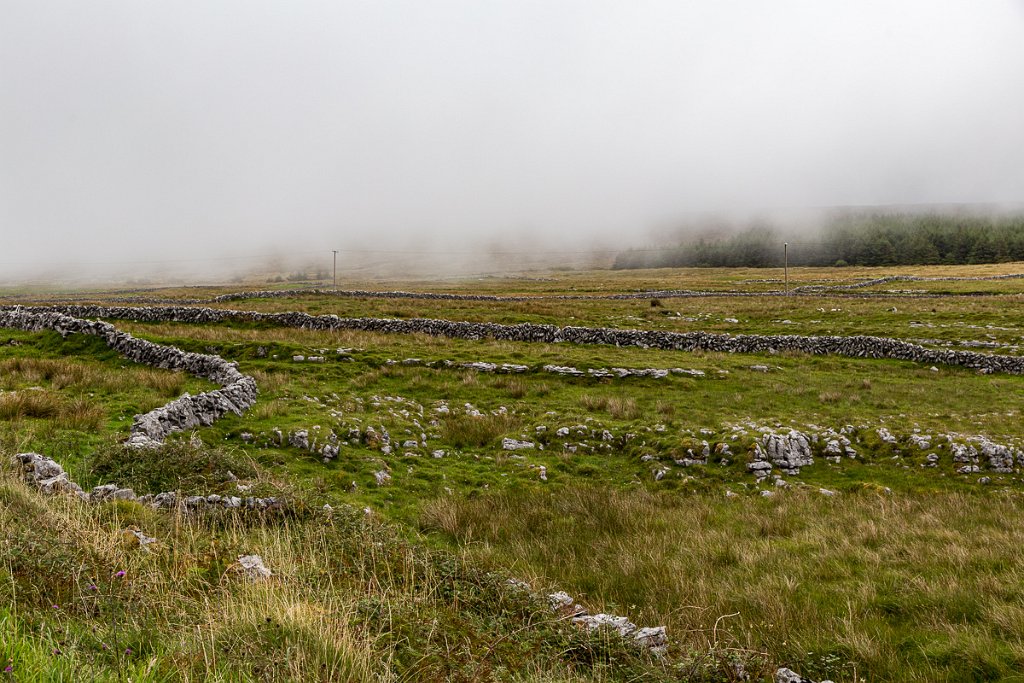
[{"x": 872, "y": 240}]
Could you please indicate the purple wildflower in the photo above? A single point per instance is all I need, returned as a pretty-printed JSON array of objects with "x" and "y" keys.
[
  {"x": 120, "y": 574},
  {"x": 8, "y": 669}
]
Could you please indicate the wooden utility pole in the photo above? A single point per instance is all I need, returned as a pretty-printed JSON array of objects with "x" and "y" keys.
[
  {"x": 335, "y": 267},
  {"x": 785, "y": 263}
]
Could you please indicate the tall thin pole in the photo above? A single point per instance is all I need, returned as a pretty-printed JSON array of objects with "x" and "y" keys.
[
  {"x": 785, "y": 263},
  {"x": 335, "y": 267}
]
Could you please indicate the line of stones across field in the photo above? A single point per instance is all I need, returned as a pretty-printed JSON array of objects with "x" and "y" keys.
[{"x": 857, "y": 346}]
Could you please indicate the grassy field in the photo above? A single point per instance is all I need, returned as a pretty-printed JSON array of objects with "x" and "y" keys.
[{"x": 911, "y": 571}]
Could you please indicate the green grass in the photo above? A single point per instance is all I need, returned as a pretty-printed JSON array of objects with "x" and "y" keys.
[
  {"x": 921, "y": 583},
  {"x": 349, "y": 600}
]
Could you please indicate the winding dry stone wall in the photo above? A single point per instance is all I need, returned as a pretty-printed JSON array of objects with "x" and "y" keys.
[
  {"x": 859, "y": 346},
  {"x": 236, "y": 395}
]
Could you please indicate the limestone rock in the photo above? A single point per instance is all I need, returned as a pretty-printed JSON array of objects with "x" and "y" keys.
[
  {"x": 253, "y": 568},
  {"x": 788, "y": 451},
  {"x": 516, "y": 445},
  {"x": 299, "y": 439}
]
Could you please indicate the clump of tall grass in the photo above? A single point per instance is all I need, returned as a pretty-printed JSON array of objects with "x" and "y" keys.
[
  {"x": 165, "y": 382},
  {"x": 89, "y": 375},
  {"x": 831, "y": 396},
  {"x": 78, "y": 413},
  {"x": 269, "y": 381},
  {"x": 469, "y": 431},
  {"x": 29, "y": 404},
  {"x": 82, "y": 414},
  {"x": 265, "y": 410},
  {"x": 619, "y": 407},
  {"x": 61, "y": 372},
  {"x": 514, "y": 387}
]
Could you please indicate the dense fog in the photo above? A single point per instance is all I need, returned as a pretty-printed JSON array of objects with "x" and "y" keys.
[{"x": 209, "y": 139}]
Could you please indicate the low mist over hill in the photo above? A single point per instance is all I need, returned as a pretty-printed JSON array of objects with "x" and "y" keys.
[{"x": 861, "y": 237}]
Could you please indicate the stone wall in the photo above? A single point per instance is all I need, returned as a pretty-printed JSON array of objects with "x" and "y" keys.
[
  {"x": 859, "y": 346},
  {"x": 236, "y": 395},
  {"x": 650, "y": 294},
  {"x": 443, "y": 296},
  {"x": 907, "y": 278}
]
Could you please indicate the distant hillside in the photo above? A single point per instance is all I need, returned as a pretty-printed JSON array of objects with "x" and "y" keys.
[{"x": 876, "y": 239}]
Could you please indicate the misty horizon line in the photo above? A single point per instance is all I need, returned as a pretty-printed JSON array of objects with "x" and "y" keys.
[{"x": 488, "y": 257}]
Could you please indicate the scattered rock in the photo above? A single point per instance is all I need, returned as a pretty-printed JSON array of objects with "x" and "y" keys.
[
  {"x": 253, "y": 568},
  {"x": 135, "y": 536},
  {"x": 299, "y": 439}
]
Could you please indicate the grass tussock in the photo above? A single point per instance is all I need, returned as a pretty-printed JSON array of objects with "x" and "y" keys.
[
  {"x": 267, "y": 410},
  {"x": 29, "y": 404},
  {"x": 832, "y": 396},
  {"x": 513, "y": 387},
  {"x": 468, "y": 431},
  {"x": 85, "y": 375},
  {"x": 618, "y": 407},
  {"x": 78, "y": 413}
]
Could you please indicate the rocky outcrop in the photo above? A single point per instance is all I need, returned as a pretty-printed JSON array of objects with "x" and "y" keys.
[
  {"x": 858, "y": 346},
  {"x": 789, "y": 452},
  {"x": 236, "y": 395},
  {"x": 652, "y": 638}
]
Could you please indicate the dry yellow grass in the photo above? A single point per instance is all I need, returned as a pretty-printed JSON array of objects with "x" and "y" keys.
[{"x": 883, "y": 583}]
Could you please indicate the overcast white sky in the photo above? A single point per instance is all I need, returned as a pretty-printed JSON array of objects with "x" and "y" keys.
[{"x": 128, "y": 128}]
